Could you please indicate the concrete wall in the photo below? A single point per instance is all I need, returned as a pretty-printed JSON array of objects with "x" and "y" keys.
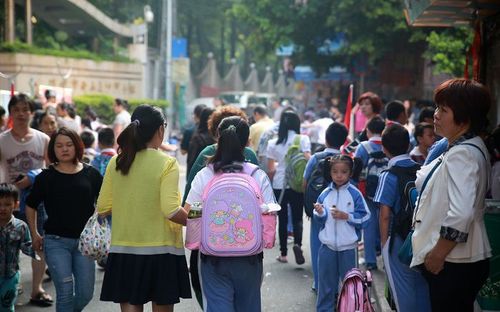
[{"x": 113, "y": 78}]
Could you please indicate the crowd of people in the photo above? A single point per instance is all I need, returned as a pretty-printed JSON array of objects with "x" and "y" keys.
[{"x": 357, "y": 187}]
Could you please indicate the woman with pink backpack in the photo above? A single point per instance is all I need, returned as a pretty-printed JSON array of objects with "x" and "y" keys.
[{"x": 233, "y": 196}]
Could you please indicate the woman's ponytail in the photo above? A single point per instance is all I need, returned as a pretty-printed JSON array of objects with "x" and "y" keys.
[
  {"x": 146, "y": 120},
  {"x": 233, "y": 137},
  {"x": 127, "y": 147}
]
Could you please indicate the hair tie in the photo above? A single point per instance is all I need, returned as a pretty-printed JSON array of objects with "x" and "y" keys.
[
  {"x": 136, "y": 122},
  {"x": 231, "y": 128}
]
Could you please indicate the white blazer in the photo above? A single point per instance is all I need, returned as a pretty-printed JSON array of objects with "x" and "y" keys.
[{"x": 453, "y": 202}]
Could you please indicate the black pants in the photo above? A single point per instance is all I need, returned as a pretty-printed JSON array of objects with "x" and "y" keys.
[
  {"x": 455, "y": 288},
  {"x": 296, "y": 202},
  {"x": 195, "y": 277}
]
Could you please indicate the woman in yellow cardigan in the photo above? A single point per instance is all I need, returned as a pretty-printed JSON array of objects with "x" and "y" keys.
[{"x": 140, "y": 190}]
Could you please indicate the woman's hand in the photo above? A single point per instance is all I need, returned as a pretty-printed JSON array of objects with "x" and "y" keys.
[
  {"x": 37, "y": 242},
  {"x": 319, "y": 208},
  {"x": 433, "y": 262}
]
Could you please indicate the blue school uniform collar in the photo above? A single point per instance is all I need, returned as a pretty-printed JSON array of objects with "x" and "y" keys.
[{"x": 397, "y": 159}]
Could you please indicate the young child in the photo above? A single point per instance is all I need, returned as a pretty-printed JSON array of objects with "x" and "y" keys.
[
  {"x": 371, "y": 233},
  {"x": 230, "y": 282},
  {"x": 341, "y": 211},
  {"x": 315, "y": 183},
  {"x": 408, "y": 287},
  {"x": 89, "y": 152},
  {"x": 425, "y": 138},
  {"x": 14, "y": 236},
  {"x": 105, "y": 141}
]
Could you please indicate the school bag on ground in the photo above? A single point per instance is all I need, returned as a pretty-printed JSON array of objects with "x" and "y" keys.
[
  {"x": 316, "y": 182},
  {"x": 231, "y": 221},
  {"x": 377, "y": 162},
  {"x": 295, "y": 166},
  {"x": 402, "y": 221},
  {"x": 354, "y": 294}
]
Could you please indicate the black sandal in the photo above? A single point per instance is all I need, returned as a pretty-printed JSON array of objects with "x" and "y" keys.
[{"x": 42, "y": 300}]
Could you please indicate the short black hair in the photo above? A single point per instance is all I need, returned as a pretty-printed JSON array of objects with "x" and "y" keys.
[
  {"x": 426, "y": 112},
  {"x": 261, "y": 110},
  {"x": 469, "y": 100},
  {"x": 324, "y": 113},
  {"x": 9, "y": 190},
  {"x": 122, "y": 102},
  {"x": 87, "y": 138},
  {"x": 336, "y": 134},
  {"x": 376, "y": 125},
  {"x": 106, "y": 137},
  {"x": 393, "y": 109},
  {"x": 420, "y": 128},
  {"x": 396, "y": 140},
  {"x": 2, "y": 111},
  {"x": 20, "y": 98},
  {"x": 198, "y": 109}
]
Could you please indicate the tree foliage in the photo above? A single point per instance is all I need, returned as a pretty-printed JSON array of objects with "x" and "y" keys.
[
  {"x": 448, "y": 49},
  {"x": 252, "y": 30}
]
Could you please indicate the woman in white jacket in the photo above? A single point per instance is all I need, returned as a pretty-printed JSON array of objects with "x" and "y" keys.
[{"x": 450, "y": 244}]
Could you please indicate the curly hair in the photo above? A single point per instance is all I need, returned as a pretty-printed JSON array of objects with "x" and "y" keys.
[{"x": 221, "y": 113}]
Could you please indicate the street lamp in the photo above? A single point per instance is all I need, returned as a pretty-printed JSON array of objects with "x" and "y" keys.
[
  {"x": 148, "y": 18},
  {"x": 148, "y": 14}
]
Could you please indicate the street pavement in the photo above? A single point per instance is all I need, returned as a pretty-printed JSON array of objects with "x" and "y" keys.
[{"x": 285, "y": 287}]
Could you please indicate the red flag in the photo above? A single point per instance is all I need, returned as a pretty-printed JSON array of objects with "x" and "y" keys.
[{"x": 347, "y": 116}]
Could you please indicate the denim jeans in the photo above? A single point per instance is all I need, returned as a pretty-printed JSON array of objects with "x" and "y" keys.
[
  {"x": 231, "y": 283},
  {"x": 73, "y": 274}
]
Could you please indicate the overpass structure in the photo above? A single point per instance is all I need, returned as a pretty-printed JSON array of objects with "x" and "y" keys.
[{"x": 76, "y": 17}]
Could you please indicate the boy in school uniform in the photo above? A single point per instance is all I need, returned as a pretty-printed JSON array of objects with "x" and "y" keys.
[
  {"x": 105, "y": 141},
  {"x": 408, "y": 287},
  {"x": 14, "y": 236},
  {"x": 371, "y": 233},
  {"x": 425, "y": 138}
]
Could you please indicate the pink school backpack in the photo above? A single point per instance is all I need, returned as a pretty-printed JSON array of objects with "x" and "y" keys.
[
  {"x": 231, "y": 222},
  {"x": 354, "y": 294}
]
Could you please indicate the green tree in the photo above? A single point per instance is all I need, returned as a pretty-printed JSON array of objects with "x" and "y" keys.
[{"x": 448, "y": 49}]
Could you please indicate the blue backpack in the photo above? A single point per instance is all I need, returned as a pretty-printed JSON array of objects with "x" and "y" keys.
[{"x": 377, "y": 162}]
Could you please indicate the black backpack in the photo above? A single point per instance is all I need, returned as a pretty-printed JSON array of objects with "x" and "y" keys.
[
  {"x": 402, "y": 221},
  {"x": 316, "y": 182},
  {"x": 377, "y": 162}
]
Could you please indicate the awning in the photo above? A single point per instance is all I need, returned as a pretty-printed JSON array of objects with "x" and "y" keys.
[{"x": 448, "y": 13}]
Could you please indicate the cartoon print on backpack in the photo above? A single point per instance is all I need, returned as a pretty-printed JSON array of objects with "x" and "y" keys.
[{"x": 232, "y": 223}]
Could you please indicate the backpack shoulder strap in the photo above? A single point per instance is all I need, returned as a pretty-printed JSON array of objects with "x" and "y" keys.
[
  {"x": 474, "y": 145},
  {"x": 398, "y": 171},
  {"x": 249, "y": 168},
  {"x": 296, "y": 140}
]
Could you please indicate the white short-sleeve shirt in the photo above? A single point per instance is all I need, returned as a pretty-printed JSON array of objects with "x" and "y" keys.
[
  {"x": 204, "y": 176},
  {"x": 277, "y": 152}
]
